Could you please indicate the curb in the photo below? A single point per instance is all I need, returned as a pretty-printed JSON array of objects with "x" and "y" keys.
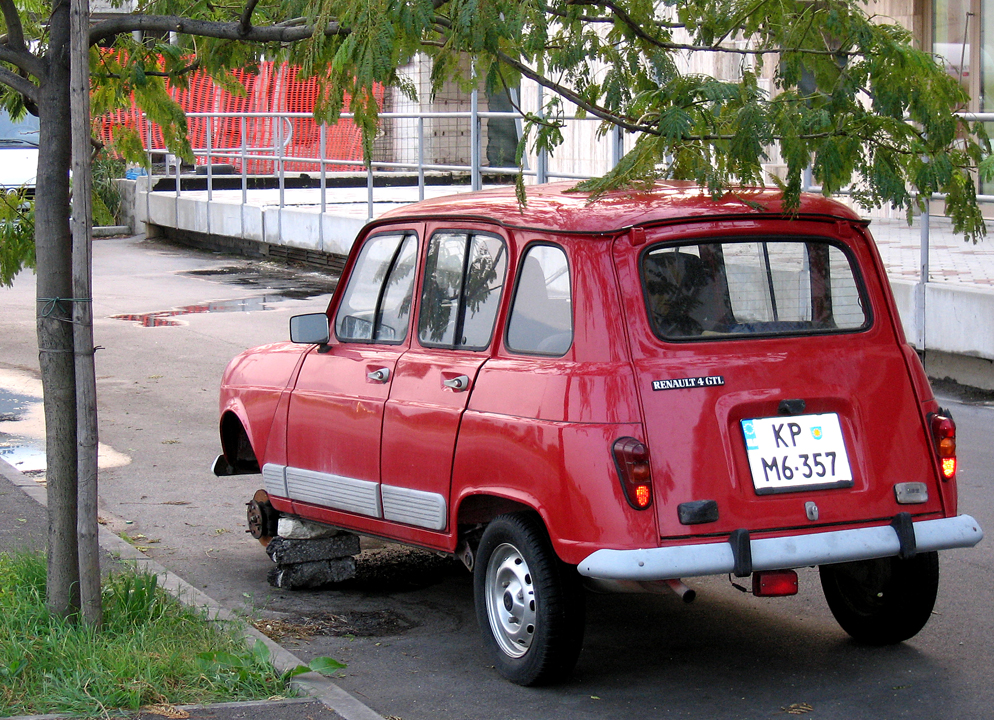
[
  {"x": 106, "y": 231},
  {"x": 244, "y": 704},
  {"x": 313, "y": 684}
]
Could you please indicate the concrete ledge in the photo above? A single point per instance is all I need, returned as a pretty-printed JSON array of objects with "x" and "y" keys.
[
  {"x": 959, "y": 319},
  {"x": 332, "y": 262},
  {"x": 963, "y": 369},
  {"x": 104, "y": 231}
]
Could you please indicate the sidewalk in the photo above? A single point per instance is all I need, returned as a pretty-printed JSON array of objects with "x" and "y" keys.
[
  {"x": 23, "y": 523},
  {"x": 951, "y": 258}
]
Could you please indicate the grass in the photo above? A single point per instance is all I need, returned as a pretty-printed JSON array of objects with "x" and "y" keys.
[{"x": 151, "y": 650}]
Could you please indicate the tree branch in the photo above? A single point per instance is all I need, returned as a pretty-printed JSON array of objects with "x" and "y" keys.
[
  {"x": 572, "y": 97},
  {"x": 195, "y": 65},
  {"x": 15, "y": 31},
  {"x": 22, "y": 85},
  {"x": 122, "y": 24},
  {"x": 23, "y": 60},
  {"x": 624, "y": 17},
  {"x": 246, "y": 21},
  {"x": 620, "y": 12}
]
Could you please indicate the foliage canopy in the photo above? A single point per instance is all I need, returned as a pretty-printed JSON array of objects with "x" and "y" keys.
[{"x": 823, "y": 84}]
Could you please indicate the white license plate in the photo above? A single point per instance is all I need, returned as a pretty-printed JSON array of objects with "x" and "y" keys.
[{"x": 799, "y": 452}]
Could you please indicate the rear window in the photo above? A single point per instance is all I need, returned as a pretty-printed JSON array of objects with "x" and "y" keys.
[{"x": 759, "y": 287}]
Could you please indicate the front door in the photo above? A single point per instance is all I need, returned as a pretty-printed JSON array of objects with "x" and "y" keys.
[
  {"x": 336, "y": 410},
  {"x": 459, "y": 301}
]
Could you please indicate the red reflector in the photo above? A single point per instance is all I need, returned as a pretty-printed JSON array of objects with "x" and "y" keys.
[
  {"x": 774, "y": 583},
  {"x": 631, "y": 458},
  {"x": 948, "y": 468}
]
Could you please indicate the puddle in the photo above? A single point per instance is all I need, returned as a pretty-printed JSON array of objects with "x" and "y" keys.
[
  {"x": 22, "y": 453},
  {"x": 22, "y": 427},
  {"x": 161, "y": 318},
  {"x": 286, "y": 282},
  {"x": 13, "y": 406}
]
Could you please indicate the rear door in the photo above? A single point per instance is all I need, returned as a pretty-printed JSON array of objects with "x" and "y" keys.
[{"x": 775, "y": 394}]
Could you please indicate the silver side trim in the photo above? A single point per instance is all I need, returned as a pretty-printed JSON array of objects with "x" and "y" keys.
[
  {"x": 274, "y": 479},
  {"x": 413, "y": 507},
  {"x": 334, "y": 491},
  {"x": 778, "y": 553}
]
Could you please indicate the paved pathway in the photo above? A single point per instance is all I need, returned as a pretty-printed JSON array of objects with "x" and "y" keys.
[{"x": 951, "y": 258}]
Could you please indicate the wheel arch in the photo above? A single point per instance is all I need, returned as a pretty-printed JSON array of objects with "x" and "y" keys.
[
  {"x": 477, "y": 510},
  {"x": 481, "y": 508},
  {"x": 236, "y": 444}
]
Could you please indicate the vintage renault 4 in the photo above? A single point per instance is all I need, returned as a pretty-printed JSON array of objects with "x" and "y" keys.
[{"x": 618, "y": 393}]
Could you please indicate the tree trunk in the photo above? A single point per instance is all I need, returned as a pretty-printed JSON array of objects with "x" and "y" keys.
[
  {"x": 55, "y": 330},
  {"x": 86, "y": 383}
]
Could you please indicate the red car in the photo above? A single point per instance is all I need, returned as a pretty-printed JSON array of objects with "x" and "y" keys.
[{"x": 621, "y": 393}]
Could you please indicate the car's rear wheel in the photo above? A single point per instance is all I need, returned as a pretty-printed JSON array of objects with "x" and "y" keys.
[
  {"x": 529, "y": 605},
  {"x": 882, "y": 601}
]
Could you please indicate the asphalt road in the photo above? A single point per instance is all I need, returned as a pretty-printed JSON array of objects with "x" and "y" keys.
[{"x": 406, "y": 627}]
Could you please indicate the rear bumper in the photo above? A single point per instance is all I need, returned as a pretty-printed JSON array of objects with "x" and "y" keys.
[{"x": 778, "y": 553}]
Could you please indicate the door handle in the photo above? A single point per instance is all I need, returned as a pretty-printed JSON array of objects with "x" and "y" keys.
[
  {"x": 380, "y": 375},
  {"x": 458, "y": 383}
]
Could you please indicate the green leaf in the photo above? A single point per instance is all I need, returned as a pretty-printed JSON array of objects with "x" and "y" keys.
[{"x": 325, "y": 665}]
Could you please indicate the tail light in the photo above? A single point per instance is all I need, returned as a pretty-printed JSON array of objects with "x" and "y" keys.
[
  {"x": 944, "y": 436},
  {"x": 631, "y": 458}
]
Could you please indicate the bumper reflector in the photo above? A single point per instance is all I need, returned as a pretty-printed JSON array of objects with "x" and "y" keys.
[{"x": 774, "y": 583}]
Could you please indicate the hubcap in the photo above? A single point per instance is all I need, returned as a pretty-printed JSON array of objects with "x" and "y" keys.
[{"x": 510, "y": 600}]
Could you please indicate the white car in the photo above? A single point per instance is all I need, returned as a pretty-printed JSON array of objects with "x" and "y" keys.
[{"x": 18, "y": 151}]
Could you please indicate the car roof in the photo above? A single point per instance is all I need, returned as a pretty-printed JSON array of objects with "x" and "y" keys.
[{"x": 552, "y": 207}]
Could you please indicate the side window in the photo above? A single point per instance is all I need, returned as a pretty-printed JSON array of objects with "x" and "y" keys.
[
  {"x": 377, "y": 302},
  {"x": 464, "y": 274},
  {"x": 541, "y": 320}
]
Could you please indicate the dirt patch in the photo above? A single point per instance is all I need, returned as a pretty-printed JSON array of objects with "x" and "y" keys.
[
  {"x": 356, "y": 623},
  {"x": 398, "y": 568},
  {"x": 963, "y": 393}
]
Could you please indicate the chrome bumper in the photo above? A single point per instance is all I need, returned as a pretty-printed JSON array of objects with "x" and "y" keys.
[{"x": 778, "y": 553}]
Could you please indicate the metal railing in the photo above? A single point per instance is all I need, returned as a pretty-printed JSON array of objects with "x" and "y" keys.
[{"x": 276, "y": 153}]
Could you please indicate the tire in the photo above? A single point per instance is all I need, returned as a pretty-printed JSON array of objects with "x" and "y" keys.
[
  {"x": 883, "y": 601},
  {"x": 529, "y": 605}
]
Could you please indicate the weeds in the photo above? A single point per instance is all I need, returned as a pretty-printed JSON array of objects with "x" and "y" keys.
[
  {"x": 152, "y": 649},
  {"x": 107, "y": 201}
]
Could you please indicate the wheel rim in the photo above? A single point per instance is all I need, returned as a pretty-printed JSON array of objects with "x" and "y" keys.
[{"x": 510, "y": 600}]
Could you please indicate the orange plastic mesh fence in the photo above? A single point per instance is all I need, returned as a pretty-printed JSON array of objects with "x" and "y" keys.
[{"x": 273, "y": 89}]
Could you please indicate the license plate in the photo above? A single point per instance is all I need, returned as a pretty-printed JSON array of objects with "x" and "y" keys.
[{"x": 800, "y": 452}]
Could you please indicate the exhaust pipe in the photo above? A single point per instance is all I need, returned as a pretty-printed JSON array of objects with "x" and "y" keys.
[
  {"x": 658, "y": 587},
  {"x": 685, "y": 593}
]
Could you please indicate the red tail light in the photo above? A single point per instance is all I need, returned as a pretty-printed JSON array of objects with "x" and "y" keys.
[
  {"x": 944, "y": 435},
  {"x": 631, "y": 458}
]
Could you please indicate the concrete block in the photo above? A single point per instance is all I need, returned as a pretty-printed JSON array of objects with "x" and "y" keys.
[
  {"x": 292, "y": 552},
  {"x": 293, "y": 528},
  {"x": 340, "y": 232},
  {"x": 312, "y": 574},
  {"x": 191, "y": 214},
  {"x": 162, "y": 209}
]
